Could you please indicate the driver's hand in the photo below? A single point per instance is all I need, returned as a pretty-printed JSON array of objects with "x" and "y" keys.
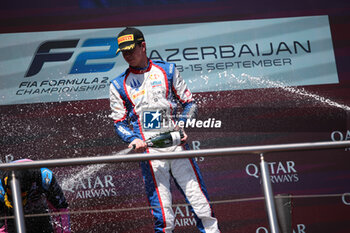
[
  {"x": 184, "y": 139},
  {"x": 140, "y": 145}
]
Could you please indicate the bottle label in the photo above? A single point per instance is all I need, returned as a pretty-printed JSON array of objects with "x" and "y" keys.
[
  {"x": 176, "y": 138},
  {"x": 149, "y": 143}
]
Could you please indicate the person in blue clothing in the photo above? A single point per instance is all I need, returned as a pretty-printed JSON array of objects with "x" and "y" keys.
[
  {"x": 40, "y": 194},
  {"x": 144, "y": 100}
]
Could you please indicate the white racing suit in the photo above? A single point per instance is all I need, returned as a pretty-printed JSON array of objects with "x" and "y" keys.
[{"x": 144, "y": 103}]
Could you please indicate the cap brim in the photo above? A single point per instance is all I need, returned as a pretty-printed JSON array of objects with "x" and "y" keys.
[{"x": 126, "y": 47}]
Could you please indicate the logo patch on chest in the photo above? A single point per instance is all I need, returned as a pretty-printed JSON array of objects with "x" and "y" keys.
[
  {"x": 156, "y": 83},
  {"x": 135, "y": 83},
  {"x": 138, "y": 94}
]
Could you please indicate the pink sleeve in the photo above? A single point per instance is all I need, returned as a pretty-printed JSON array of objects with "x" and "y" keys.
[
  {"x": 61, "y": 223},
  {"x": 3, "y": 230}
]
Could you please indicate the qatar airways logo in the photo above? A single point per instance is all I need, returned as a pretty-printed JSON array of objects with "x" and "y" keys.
[
  {"x": 346, "y": 199},
  {"x": 280, "y": 172},
  {"x": 341, "y": 136},
  {"x": 157, "y": 119},
  {"x": 92, "y": 187},
  {"x": 300, "y": 228},
  {"x": 184, "y": 217}
]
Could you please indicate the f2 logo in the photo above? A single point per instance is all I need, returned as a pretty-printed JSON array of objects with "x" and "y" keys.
[
  {"x": 80, "y": 65},
  {"x": 43, "y": 54}
]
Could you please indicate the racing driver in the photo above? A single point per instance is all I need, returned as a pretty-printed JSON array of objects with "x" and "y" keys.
[
  {"x": 143, "y": 100},
  {"x": 40, "y": 193}
]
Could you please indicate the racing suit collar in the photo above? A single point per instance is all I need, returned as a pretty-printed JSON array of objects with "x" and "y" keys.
[{"x": 141, "y": 70}]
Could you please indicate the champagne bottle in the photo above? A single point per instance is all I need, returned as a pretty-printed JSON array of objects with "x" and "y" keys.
[{"x": 166, "y": 139}]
